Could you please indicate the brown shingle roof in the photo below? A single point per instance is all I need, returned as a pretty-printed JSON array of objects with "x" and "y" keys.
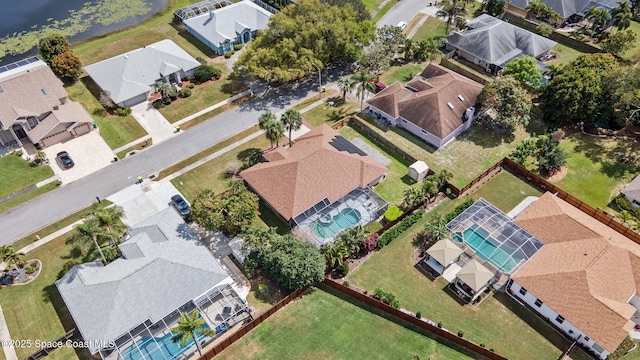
[
  {"x": 586, "y": 271},
  {"x": 423, "y": 101},
  {"x": 297, "y": 178},
  {"x": 29, "y": 93},
  {"x": 64, "y": 117}
]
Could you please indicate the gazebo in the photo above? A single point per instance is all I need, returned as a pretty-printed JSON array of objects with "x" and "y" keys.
[
  {"x": 473, "y": 278},
  {"x": 442, "y": 254}
]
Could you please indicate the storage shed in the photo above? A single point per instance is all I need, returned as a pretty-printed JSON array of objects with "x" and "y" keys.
[{"x": 418, "y": 170}]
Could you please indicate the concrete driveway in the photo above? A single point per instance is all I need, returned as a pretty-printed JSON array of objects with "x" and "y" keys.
[
  {"x": 141, "y": 201},
  {"x": 153, "y": 122},
  {"x": 89, "y": 153}
]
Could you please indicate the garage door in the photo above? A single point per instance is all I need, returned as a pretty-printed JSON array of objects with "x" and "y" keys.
[
  {"x": 54, "y": 139},
  {"x": 136, "y": 100},
  {"x": 82, "y": 129}
]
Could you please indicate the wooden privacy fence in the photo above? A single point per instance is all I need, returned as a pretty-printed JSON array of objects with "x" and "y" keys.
[
  {"x": 462, "y": 342},
  {"x": 252, "y": 324}
]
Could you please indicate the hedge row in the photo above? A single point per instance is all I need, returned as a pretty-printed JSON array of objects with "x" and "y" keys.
[{"x": 401, "y": 227}]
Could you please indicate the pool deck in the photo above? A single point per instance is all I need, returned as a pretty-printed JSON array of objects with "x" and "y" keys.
[{"x": 451, "y": 272}]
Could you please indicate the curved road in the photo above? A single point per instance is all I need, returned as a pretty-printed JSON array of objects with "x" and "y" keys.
[{"x": 64, "y": 201}]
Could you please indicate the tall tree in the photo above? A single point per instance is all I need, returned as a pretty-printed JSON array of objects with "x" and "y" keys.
[
  {"x": 191, "y": 327},
  {"x": 312, "y": 32},
  {"x": 510, "y": 101},
  {"x": 274, "y": 131},
  {"x": 622, "y": 15},
  {"x": 495, "y": 7},
  {"x": 10, "y": 256},
  {"x": 67, "y": 66},
  {"x": 598, "y": 16},
  {"x": 391, "y": 38},
  {"x": 450, "y": 11},
  {"x": 524, "y": 69},
  {"x": 87, "y": 233},
  {"x": 549, "y": 155},
  {"x": 346, "y": 84},
  {"x": 53, "y": 45},
  {"x": 292, "y": 263},
  {"x": 620, "y": 42},
  {"x": 109, "y": 219},
  {"x": 265, "y": 118},
  {"x": 292, "y": 120},
  {"x": 363, "y": 79},
  {"x": 436, "y": 227}
]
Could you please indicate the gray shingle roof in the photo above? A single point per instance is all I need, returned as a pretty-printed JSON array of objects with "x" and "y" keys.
[
  {"x": 566, "y": 8},
  {"x": 130, "y": 74},
  {"x": 498, "y": 42},
  {"x": 228, "y": 22},
  {"x": 632, "y": 190},
  {"x": 156, "y": 277}
]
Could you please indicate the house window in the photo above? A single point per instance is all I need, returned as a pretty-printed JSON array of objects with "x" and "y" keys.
[
  {"x": 586, "y": 338},
  {"x": 523, "y": 291},
  {"x": 423, "y": 131},
  {"x": 559, "y": 319},
  {"x": 597, "y": 347},
  {"x": 404, "y": 121},
  {"x": 636, "y": 203},
  {"x": 32, "y": 121},
  {"x": 538, "y": 303}
]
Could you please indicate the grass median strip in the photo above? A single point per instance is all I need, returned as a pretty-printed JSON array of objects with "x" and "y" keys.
[
  {"x": 27, "y": 196},
  {"x": 139, "y": 146}
]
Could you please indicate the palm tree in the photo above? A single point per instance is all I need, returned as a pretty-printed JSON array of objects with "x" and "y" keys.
[
  {"x": 292, "y": 120},
  {"x": 274, "y": 131},
  {"x": 88, "y": 232},
  {"x": 408, "y": 49},
  {"x": 535, "y": 7},
  {"x": 191, "y": 327},
  {"x": 600, "y": 17},
  {"x": 429, "y": 189},
  {"x": 109, "y": 219},
  {"x": 363, "y": 79},
  {"x": 10, "y": 256},
  {"x": 346, "y": 84},
  {"x": 353, "y": 238},
  {"x": 443, "y": 177},
  {"x": 111, "y": 252},
  {"x": 436, "y": 227},
  {"x": 412, "y": 197},
  {"x": 433, "y": 46},
  {"x": 622, "y": 15},
  {"x": 450, "y": 10},
  {"x": 334, "y": 253},
  {"x": 164, "y": 88},
  {"x": 265, "y": 118}
]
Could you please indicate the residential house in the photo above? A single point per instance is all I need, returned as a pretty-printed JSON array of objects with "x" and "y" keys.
[
  {"x": 130, "y": 78},
  {"x": 632, "y": 191},
  {"x": 222, "y": 28},
  {"x": 584, "y": 280},
  {"x": 125, "y": 310},
  {"x": 321, "y": 185},
  {"x": 436, "y": 105},
  {"x": 34, "y": 107},
  {"x": 568, "y": 10},
  {"x": 491, "y": 43}
]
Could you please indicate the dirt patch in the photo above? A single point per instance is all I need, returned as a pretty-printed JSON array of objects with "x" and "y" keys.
[{"x": 559, "y": 175}]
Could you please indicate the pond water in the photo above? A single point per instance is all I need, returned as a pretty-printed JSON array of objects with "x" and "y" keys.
[{"x": 22, "y": 23}]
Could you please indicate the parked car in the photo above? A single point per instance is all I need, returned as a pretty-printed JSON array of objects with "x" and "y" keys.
[
  {"x": 379, "y": 86},
  {"x": 402, "y": 25},
  {"x": 180, "y": 204},
  {"x": 65, "y": 159}
]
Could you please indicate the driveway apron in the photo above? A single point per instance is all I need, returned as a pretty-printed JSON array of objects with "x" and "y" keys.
[{"x": 153, "y": 122}]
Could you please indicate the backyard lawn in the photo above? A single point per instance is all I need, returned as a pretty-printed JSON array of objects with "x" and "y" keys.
[
  {"x": 329, "y": 114},
  {"x": 564, "y": 55},
  {"x": 397, "y": 181},
  {"x": 18, "y": 174},
  {"x": 594, "y": 174},
  {"x": 402, "y": 73},
  {"x": 499, "y": 322},
  {"x": 430, "y": 28},
  {"x": 322, "y": 325},
  {"x": 371, "y": 5},
  {"x": 204, "y": 96},
  {"x": 36, "y": 310},
  {"x": 115, "y": 130}
]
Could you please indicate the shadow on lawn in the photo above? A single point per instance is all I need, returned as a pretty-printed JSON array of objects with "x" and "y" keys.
[
  {"x": 537, "y": 323},
  {"x": 396, "y": 320},
  {"x": 608, "y": 157},
  {"x": 194, "y": 41},
  {"x": 484, "y": 135}
]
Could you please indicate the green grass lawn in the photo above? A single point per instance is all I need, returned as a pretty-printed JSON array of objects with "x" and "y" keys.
[
  {"x": 397, "y": 181},
  {"x": 203, "y": 96},
  {"x": 499, "y": 322},
  {"x": 594, "y": 173},
  {"x": 402, "y": 73},
  {"x": 325, "y": 114},
  {"x": 634, "y": 52},
  {"x": 36, "y": 310},
  {"x": 431, "y": 27},
  {"x": 383, "y": 11},
  {"x": 115, "y": 130},
  {"x": 371, "y": 5},
  {"x": 564, "y": 55},
  {"x": 17, "y": 174},
  {"x": 322, "y": 325}
]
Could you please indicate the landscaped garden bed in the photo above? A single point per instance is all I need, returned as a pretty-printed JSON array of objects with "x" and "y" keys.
[{"x": 21, "y": 274}]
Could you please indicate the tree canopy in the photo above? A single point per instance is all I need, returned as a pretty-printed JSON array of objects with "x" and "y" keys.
[
  {"x": 619, "y": 42},
  {"x": 228, "y": 212},
  {"x": 524, "y": 69},
  {"x": 510, "y": 101},
  {"x": 575, "y": 92},
  {"x": 300, "y": 36},
  {"x": 53, "y": 45},
  {"x": 58, "y": 54}
]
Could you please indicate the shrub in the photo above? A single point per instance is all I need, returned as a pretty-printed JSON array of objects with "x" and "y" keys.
[
  {"x": 440, "y": 324},
  {"x": 388, "y": 298},
  {"x": 190, "y": 86},
  {"x": 98, "y": 112},
  {"x": 201, "y": 60},
  {"x": 18, "y": 153},
  {"x": 460, "y": 333},
  {"x": 624, "y": 204},
  {"x": 232, "y": 168},
  {"x": 166, "y": 100},
  {"x": 419, "y": 315},
  {"x": 237, "y": 47},
  {"x": 229, "y": 54},
  {"x": 370, "y": 243},
  {"x": 158, "y": 104},
  {"x": 185, "y": 93},
  {"x": 401, "y": 227},
  {"x": 346, "y": 284},
  {"x": 122, "y": 111},
  {"x": 30, "y": 269},
  {"x": 623, "y": 349},
  {"x": 203, "y": 73},
  {"x": 374, "y": 227},
  {"x": 254, "y": 157},
  {"x": 392, "y": 213},
  {"x": 343, "y": 269}
]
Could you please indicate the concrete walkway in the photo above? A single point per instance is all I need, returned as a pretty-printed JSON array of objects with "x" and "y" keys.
[
  {"x": 153, "y": 122},
  {"x": 5, "y": 338},
  {"x": 134, "y": 142}
]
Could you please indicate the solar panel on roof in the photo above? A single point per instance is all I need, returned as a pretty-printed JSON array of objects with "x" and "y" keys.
[{"x": 342, "y": 144}]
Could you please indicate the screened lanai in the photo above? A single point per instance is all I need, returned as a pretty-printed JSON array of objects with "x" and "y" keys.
[
  {"x": 494, "y": 237},
  {"x": 200, "y": 8}
]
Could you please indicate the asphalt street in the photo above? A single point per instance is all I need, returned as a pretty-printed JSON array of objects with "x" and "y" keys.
[
  {"x": 62, "y": 202},
  {"x": 404, "y": 10}
]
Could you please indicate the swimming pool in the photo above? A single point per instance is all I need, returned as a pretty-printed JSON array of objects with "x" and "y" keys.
[
  {"x": 486, "y": 247},
  {"x": 146, "y": 348},
  {"x": 345, "y": 219}
]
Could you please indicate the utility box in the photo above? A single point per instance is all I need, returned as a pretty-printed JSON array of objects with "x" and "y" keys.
[{"x": 418, "y": 170}]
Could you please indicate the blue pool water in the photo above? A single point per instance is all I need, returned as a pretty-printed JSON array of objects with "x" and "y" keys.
[
  {"x": 345, "y": 219},
  {"x": 487, "y": 248},
  {"x": 165, "y": 349}
]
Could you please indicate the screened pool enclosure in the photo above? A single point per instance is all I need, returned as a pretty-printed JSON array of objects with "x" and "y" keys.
[{"x": 494, "y": 237}]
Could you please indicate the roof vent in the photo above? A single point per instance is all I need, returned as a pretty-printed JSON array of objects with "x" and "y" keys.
[
  {"x": 56, "y": 107},
  {"x": 126, "y": 56},
  {"x": 43, "y": 92},
  {"x": 450, "y": 105},
  {"x": 460, "y": 97}
]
